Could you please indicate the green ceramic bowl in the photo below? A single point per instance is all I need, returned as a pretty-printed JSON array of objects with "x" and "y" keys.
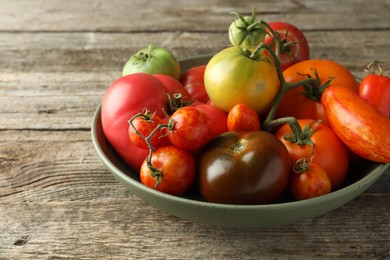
[{"x": 191, "y": 206}]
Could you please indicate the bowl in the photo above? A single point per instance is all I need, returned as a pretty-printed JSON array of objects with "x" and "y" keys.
[{"x": 191, "y": 207}]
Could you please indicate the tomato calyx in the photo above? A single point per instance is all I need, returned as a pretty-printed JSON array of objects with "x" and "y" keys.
[
  {"x": 374, "y": 68},
  {"x": 303, "y": 164},
  {"x": 177, "y": 101},
  {"x": 144, "y": 55},
  {"x": 314, "y": 90}
]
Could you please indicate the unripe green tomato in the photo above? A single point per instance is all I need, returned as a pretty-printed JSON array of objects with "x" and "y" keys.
[
  {"x": 153, "y": 60},
  {"x": 246, "y": 35}
]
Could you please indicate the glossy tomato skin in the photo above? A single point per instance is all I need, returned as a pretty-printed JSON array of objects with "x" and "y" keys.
[
  {"x": 358, "y": 124},
  {"x": 192, "y": 128},
  {"x": 375, "y": 89},
  {"x": 243, "y": 118},
  {"x": 232, "y": 78},
  {"x": 329, "y": 151},
  {"x": 173, "y": 86},
  {"x": 217, "y": 116},
  {"x": 244, "y": 168},
  {"x": 193, "y": 82},
  {"x": 296, "y": 52},
  {"x": 310, "y": 183},
  {"x": 124, "y": 98},
  {"x": 296, "y": 104},
  {"x": 177, "y": 167}
]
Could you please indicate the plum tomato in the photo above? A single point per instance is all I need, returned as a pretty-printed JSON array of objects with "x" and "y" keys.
[
  {"x": 234, "y": 76},
  {"x": 172, "y": 170},
  {"x": 153, "y": 60},
  {"x": 193, "y": 82},
  {"x": 244, "y": 168},
  {"x": 294, "y": 45},
  {"x": 329, "y": 151},
  {"x": 191, "y": 128},
  {"x": 243, "y": 118},
  {"x": 310, "y": 182}
]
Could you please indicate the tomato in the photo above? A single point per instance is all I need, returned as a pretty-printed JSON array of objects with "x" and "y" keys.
[
  {"x": 246, "y": 31},
  {"x": 140, "y": 127},
  {"x": 191, "y": 130},
  {"x": 309, "y": 183},
  {"x": 193, "y": 82},
  {"x": 304, "y": 102},
  {"x": 375, "y": 89},
  {"x": 329, "y": 151},
  {"x": 294, "y": 45},
  {"x": 217, "y": 116},
  {"x": 233, "y": 77},
  {"x": 243, "y": 168},
  {"x": 124, "y": 98},
  {"x": 153, "y": 60},
  {"x": 175, "y": 171},
  {"x": 243, "y": 118},
  {"x": 358, "y": 124}
]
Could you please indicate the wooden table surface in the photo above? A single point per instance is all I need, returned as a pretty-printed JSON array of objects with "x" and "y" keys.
[{"x": 57, "y": 200}]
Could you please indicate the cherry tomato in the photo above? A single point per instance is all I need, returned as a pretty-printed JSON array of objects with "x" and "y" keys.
[
  {"x": 375, "y": 89},
  {"x": 243, "y": 118},
  {"x": 304, "y": 102},
  {"x": 309, "y": 183},
  {"x": 126, "y": 97},
  {"x": 176, "y": 171},
  {"x": 294, "y": 45},
  {"x": 233, "y": 77},
  {"x": 217, "y": 116},
  {"x": 358, "y": 124},
  {"x": 193, "y": 82},
  {"x": 244, "y": 168},
  {"x": 153, "y": 60},
  {"x": 329, "y": 151},
  {"x": 191, "y": 130}
]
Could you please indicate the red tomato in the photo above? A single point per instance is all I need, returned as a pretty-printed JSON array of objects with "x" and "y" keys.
[
  {"x": 294, "y": 45},
  {"x": 217, "y": 116},
  {"x": 192, "y": 128},
  {"x": 174, "y": 87},
  {"x": 358, "y": 124},
  {"x": 126, "y": 97},
  {"x": 243, "y": 118},
  {"x": 329, "y": 150},
  {"x": 375, "y": 89},
  {"x": 304, "y": 102},
  {"x": 193, "y": 82},
  {"x": 142, "y": 126},
  {"x": 174, "y": 171},
  {"x": 311, "y": 182}
]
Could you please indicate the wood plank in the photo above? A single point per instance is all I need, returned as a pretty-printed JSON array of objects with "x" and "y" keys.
[{"x": 204, "y": 15}]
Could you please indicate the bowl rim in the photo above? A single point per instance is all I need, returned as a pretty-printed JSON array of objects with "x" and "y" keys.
[{"x": 379, "y": 170}]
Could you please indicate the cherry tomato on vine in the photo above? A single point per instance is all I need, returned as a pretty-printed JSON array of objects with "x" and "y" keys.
[
  {"x": 191, "y": 130},
  {"x": 243, "y": 118},
  {"x": 310, "y": 182},
  {"x": 329, "y": 151},
  {"x": 234, "y": 76},
  {"x": 193, "y": 82},
  {"x": 358, "y": 124},
  {"x": 244, "y": 168},
  {"x": 375, "y": 89},
  {"x": 294, "y": 45},
  {"x": 174, "y": 173},
  {"x": 304, "y": 102}
]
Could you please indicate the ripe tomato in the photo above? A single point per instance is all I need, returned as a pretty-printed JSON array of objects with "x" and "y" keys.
[
  {"x": 193, "y": 82},
  {"x": 175, "y": 171},
  {"x": 233, "y": 77},
  {"x": 191, "y": 130},
  {"x": 358, "y": 124},
  {"x": 153, "y": 60},
  {"x": 243, "y": 118},
  {"x": 304, "y": 102},
  {"x": 309, "y": 183},
  {"x": 375, "y": 89},
  {"x": 329, "y": 150},
  {"x": 244, "y": 168},
  {"x": 217, "y": 116},
  {"x": 127, "y": 96},
  {"x": 294, "y": 45}
]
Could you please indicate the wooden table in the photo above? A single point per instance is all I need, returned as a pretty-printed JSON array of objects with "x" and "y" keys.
[{"x": 58, "y": 201}]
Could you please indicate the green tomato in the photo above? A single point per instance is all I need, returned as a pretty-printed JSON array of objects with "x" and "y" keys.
[
  {"x": 246, "y": 31},
  {"x": 235, "y": 76},
  {"x": 153, "y": 60}
]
